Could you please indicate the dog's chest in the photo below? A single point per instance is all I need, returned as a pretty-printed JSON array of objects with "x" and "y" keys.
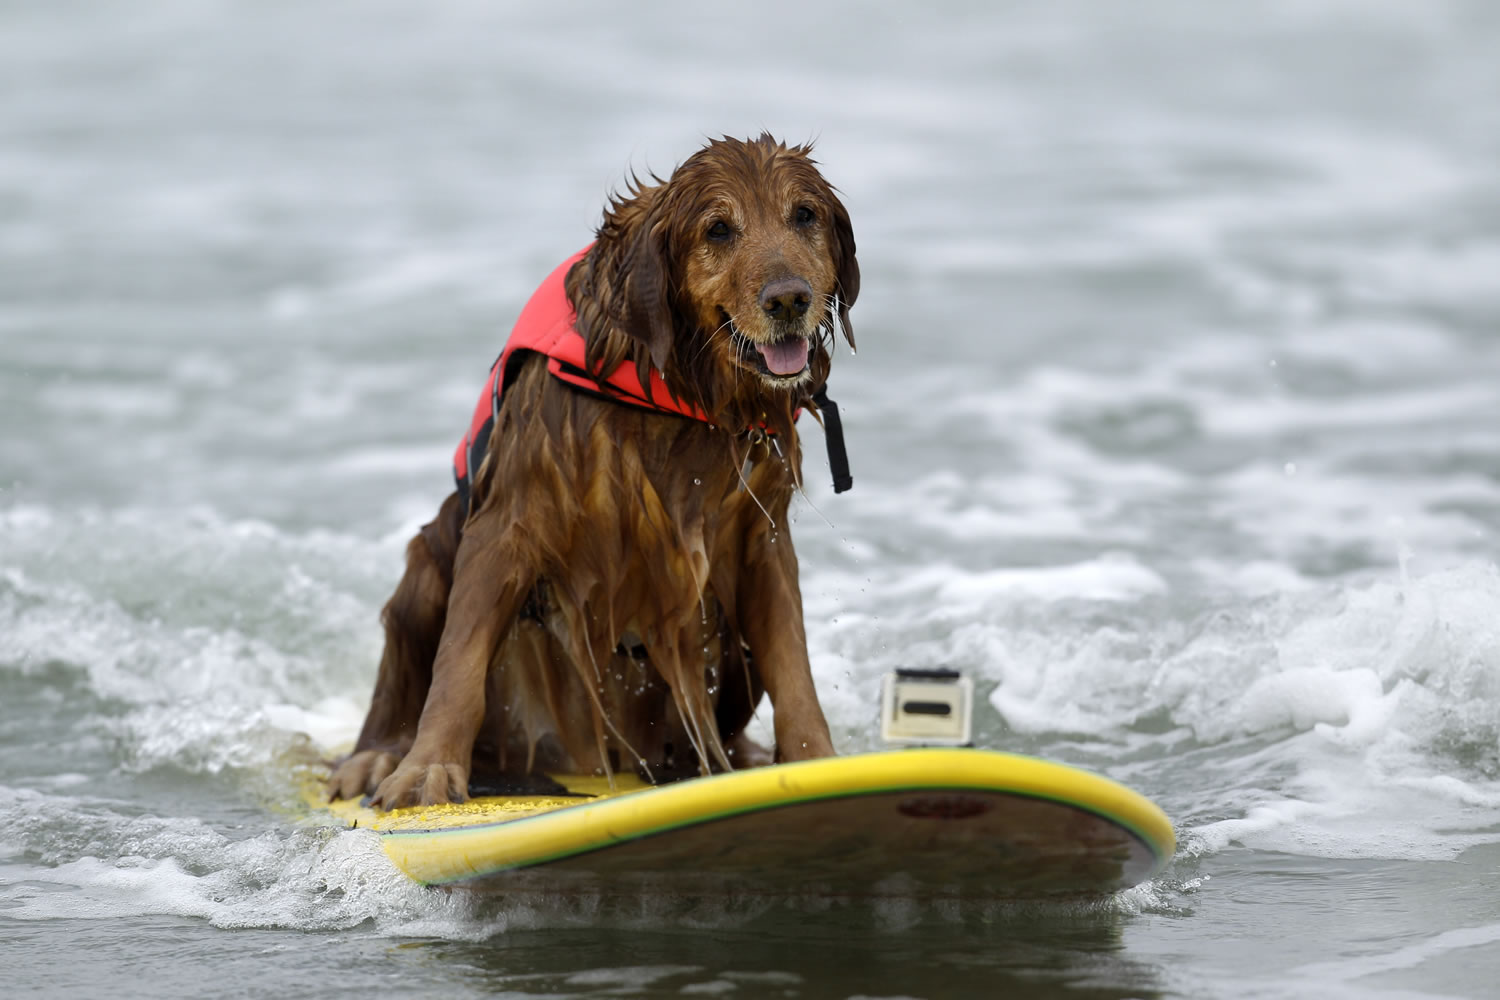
[{"x": 665, "y": 522}]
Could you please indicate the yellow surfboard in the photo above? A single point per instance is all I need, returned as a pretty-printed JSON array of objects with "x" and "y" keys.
[{"x": 920, "y": 823}]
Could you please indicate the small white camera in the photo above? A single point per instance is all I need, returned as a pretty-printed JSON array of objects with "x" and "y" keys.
[{"x": 933, "y": 707}]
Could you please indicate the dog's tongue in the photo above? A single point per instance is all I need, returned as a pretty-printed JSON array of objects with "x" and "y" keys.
[{"x": 785, "y": 357}]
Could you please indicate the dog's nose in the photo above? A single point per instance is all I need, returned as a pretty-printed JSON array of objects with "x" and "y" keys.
[{"x": 786, "y": 298}]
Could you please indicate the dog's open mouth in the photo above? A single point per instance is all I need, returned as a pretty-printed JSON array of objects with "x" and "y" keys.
[
  {"x": 782, "y": 358},
  {"x": 785, "y": 357}
]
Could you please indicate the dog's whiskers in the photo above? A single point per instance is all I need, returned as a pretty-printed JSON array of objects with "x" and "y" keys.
[
  {"x": 835, "y": 325},
  {"x": 710, "y": 338}
]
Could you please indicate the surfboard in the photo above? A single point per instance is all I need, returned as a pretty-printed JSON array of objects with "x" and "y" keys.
[{"x": 925, "y": 823}]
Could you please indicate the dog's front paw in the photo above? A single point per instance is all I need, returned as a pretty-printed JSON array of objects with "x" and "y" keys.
[
  {"x": 418, "y": 784},
  {"x": 359, "y": 774}
]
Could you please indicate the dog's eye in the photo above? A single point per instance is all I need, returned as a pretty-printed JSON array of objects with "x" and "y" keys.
[
  {"x": 806, "y": 216},
  {"x": 719, "y": 231}
]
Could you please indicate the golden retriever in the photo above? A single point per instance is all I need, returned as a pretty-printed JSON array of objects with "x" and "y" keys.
[{"x": 616, "y": 585}]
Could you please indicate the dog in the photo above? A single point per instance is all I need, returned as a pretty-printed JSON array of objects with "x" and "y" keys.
[{"x": 614, "y": 584}]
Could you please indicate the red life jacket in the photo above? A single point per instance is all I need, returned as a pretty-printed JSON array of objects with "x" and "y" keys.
[{"x": 546, "y": 326}]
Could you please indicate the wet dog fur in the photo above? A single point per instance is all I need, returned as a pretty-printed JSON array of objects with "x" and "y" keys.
[{"x": 622, "y": 587}]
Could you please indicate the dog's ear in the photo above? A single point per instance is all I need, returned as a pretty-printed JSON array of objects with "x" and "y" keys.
[
  {"x": 647, "y": 291},
  {"x": 847, "y": 266}
]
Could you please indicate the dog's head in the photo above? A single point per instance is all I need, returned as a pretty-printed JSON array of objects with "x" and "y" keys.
[{"x": 743, "y": 260}]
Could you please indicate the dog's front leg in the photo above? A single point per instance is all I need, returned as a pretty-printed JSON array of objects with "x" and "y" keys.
[
  {"x": 489, "y": 585},
  {"x": 770, "y": 613},
  {"x": 413, "y": 620}
]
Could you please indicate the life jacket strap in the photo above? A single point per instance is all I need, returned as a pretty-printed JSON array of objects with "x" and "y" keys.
[{"x": 833, "y": 435}]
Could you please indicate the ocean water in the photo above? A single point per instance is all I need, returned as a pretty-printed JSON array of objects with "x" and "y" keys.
[{"x": 1175, "y": 422}]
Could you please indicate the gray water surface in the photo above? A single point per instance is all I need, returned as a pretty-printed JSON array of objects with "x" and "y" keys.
[{"x": 1174, "y": 423}]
